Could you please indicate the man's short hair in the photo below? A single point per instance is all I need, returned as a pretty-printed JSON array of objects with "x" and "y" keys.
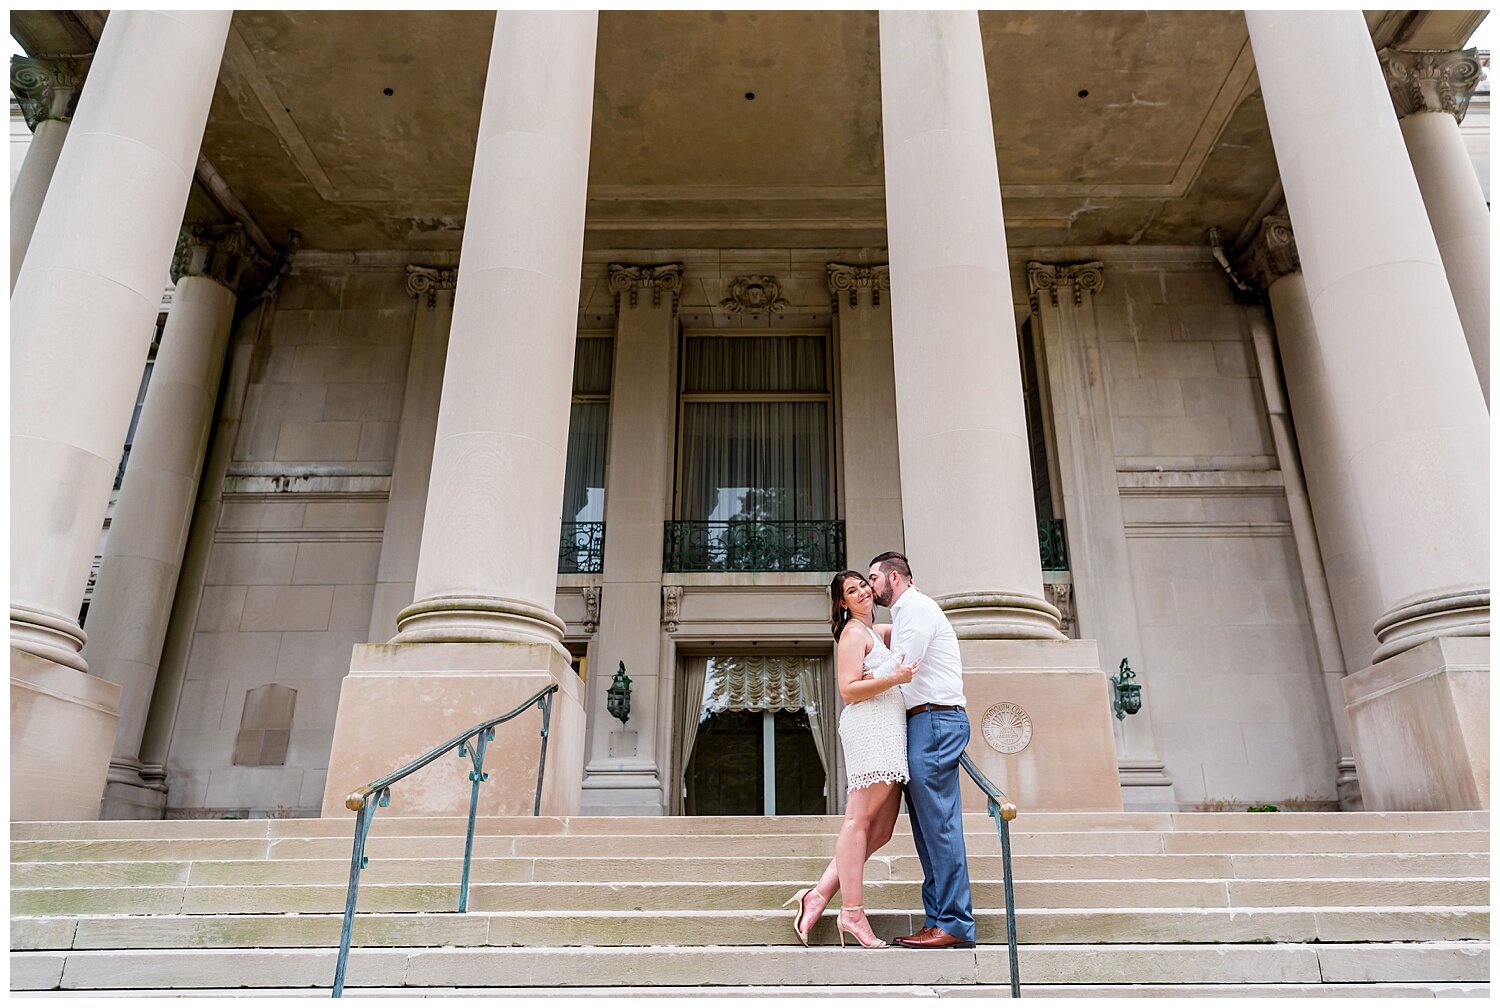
[{"x": 890, "y": 562}]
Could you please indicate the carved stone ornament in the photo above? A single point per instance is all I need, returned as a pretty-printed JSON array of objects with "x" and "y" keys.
[
  {"x": 428, "y": 280},
  {"x": 1060, "y": 594},
  {"x": 592, "y": 596},
  {"x": 850, "y": 280},
  {"x": 223, "y": 253},
  {"x": 1272, "y": 253},
  {"x": 1431, "y": 80},
  {"x": 1007, "y": 728},
  {"x": 754, "y": 294},
  {"x": 47, "y": 87},
  {"x": 630, "y": 281},
  {"x": 671, "y": 606},
  {"x": 1082, "y": 278}
]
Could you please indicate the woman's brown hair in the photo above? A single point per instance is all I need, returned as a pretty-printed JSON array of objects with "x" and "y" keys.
[{"x": 841, "y": 615}]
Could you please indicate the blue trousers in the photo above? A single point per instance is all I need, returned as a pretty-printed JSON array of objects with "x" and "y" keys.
[{"x": 934, "y": 742}]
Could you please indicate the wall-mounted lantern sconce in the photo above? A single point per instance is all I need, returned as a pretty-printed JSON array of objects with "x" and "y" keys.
[
  {"x": 619, "y": 696},
  {"x": 1127, "y": 693}
]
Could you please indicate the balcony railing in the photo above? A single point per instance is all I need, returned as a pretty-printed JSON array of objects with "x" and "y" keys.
[
  {"x": 753, "y": 546},
  {"x": 581, "y": 548},
  {"x": 1054, "y": 544}
]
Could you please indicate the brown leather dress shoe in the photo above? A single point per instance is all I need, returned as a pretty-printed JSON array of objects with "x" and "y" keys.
[
  {"x": 933, "y": 938},
  {"x": 920, "y": 934}
]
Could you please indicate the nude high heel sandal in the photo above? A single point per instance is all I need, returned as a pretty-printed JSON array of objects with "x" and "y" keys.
[
  {"x": 873, "y": 943},
  {"x": 800, "y": 899}
]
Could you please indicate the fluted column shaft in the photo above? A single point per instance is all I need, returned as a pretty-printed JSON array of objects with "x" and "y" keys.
[
  {"x": 84, "y": 304},
  {"x": 1430, "y": 91},
  {"x": 488, "y": 567},
  {"x": 1398, "y": 373},
  {"x": 47, "y": 89},
  {"x": 967, "y": 503}
]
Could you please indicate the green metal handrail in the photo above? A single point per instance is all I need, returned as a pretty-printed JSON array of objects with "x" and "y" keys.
[
  {"x": 471, "y": 744},
  {"x": 1002, "y": 811}
]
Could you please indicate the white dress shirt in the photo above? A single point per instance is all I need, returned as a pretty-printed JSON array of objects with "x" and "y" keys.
[{"x": 919, "y": 628}]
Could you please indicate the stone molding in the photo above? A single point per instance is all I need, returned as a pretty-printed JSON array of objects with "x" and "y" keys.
[
  {"x": 428, "y": 280},
  {"x": 1060, "y": 594},
  {"x": 1271, "y": 254},
  {"x": 754, "y": 293},
  {"x": 1431, "y": 80},
  {"x": 1083, "y": 278},
  {"x": 671, "y": 607},
  {"x": 845, "y": 279},
  {"x": 47, "y": 87},
  {"x": 593, "y": 597},
  {"x": 632, "y": 280},
  {"x": 222, "y": 253}
]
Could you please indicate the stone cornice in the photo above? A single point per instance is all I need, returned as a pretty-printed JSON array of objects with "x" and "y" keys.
[
  {"x": 1082, "y": 278},
  {"x": 426, "y": 281},
  {"x": 1431, "y": 80},
  {"x": 850, "y": 280},
  {"x": 47, "y": 87},
  {"x": 223, "y": 253},
  {"x": 1272, "y": 253},
  {"x": 629, "y": 281}
]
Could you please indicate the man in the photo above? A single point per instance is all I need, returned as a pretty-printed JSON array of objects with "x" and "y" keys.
[{"x": 937, "y": 731}]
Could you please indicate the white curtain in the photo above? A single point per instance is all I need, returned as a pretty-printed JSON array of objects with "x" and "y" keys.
[
  {"x": 588, "y": 426},
  {"x": 755, "y": 364},
  {"x": 690, "y": 714}
]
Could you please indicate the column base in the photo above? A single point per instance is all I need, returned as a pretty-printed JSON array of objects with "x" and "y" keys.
[
  {"x": 62, "y": 728},
  {"x": 631, "y": 793},
  {"x": 1050, "y": 744},
  {"x": 133, "y": 791},
  {"x": 1347, "y": 782},
  {"x": 1420, "y": 727},
  {"x": 402, "y": 700},
  {"x": 1001, "y": 616},
  {"x": 1145, "y": 786},
  {"x": 1455, "y": 614},
  {"x": 446, "y": 619}
]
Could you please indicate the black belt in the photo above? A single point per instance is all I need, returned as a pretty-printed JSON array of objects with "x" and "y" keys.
[{"x": 922, "y": 707}]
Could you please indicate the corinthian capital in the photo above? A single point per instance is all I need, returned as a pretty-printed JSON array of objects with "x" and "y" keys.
[
  {"x": 630, "y": 281},
  {"x": 1049, "y": 278},
  {"x": 1271, "y": 254},
  {"x": 223, "y": 253},
  {"x": 46, "y": 87},
  {"x": 1431, "y": 80},
  {"x": 846, "y": 283},
  {"x": 426, "y": 281}
]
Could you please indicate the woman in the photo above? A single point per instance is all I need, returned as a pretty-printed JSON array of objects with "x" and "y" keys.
[{"x": 872, "y": 728}]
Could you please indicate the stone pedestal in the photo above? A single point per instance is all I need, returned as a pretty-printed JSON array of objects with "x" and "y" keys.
[
  {"x": 1050, "y": 745},
  {"x": 402, "y": 700},
  {"x": 62, "y": 725},
  {"x": 1421, "y": 728}
]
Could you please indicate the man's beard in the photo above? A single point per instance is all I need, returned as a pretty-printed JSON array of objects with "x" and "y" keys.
[{"x": 883, "y": 598}]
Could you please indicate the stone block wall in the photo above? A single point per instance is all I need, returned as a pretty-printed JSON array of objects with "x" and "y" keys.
[{"x": 292, "y": 569}]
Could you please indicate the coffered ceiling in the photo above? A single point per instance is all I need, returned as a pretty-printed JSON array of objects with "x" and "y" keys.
[{"x": 357, "y": 128}]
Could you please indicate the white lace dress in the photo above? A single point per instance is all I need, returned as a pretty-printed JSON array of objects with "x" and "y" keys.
[{"x": 873, "y": 731}]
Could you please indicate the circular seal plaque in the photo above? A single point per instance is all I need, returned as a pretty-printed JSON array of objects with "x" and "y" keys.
[{"x": 1007, "y": 728}]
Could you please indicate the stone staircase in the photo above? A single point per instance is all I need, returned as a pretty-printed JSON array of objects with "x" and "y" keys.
[{"x": 1349, "y": 904}]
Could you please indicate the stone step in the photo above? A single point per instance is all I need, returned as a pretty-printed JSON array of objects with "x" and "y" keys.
[
  {"x": 747, "y": 845},
  {"x": 1032, "y": 822},
  {"x": 1035, "y": 867},
  {"x": 1443, "y": 962},
  {"x": 741, "y": 927},
  {"x": 673, "y": 896},
  {"x": 1389, "y": 990}
]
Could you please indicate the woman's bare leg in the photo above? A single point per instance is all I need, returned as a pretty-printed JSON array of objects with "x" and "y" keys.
[
  {"x": 865, "y": 806},
  {"x": 881, "y": 826}
]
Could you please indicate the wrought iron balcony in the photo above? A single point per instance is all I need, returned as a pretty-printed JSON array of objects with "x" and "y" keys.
[
  {"x": 753, "y": 546},
  {"x": 581, "y": 548},
  {"x": 1054, "y": 544}
]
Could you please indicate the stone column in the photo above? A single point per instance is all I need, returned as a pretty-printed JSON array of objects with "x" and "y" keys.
[
  {"x": 1411, "y": 421},
  {"x": 143, "y": 553},
  {"x": 867, "y": 410},
  {"x": 47, "y": 89},
  {"x": 482, "y": 635},
  {"x": 624, "y": 775},
  {"x": 82, "y": 316},
  {"x": 1431, "y": 92},
  {"x": 966, "y": 496},
  {"x": 395, "y": 580},
  {"x": 1062, "y": 303}
]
